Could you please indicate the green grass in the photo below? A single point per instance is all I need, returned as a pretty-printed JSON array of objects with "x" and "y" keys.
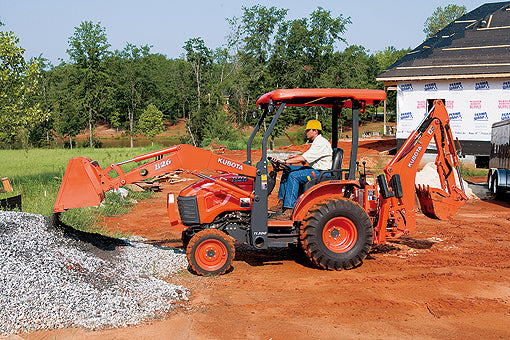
[
  {"x": 36, "y": 174},
  {"x": 466, "y": 171},
  {"x": 89, "y": 219}
]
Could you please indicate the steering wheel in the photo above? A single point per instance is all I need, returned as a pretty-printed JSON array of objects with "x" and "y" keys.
[{"x": 277, "y": 164}]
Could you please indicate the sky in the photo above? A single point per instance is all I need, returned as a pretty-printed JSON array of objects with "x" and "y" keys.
[{"x": 44, "y": 26}]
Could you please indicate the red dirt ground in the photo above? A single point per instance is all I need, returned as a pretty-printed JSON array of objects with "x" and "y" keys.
[{"x": 449, "y": 279}]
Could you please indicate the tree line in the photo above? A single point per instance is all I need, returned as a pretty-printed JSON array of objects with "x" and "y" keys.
[{"x": 214, "y": 90}]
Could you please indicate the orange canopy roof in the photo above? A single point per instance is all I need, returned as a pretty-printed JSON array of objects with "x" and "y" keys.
[{"x": 322, "y": 97}]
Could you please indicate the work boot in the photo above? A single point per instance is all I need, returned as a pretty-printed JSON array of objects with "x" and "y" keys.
[
  {"x": 285, "y": 215},
  {"x": 278, "y": 206}
]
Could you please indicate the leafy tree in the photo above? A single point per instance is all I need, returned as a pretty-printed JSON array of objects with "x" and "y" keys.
[
  {"x": 89, "y": 45},
  {"x": 305, "y": 47},
  {"x": 212, "y": 122},
  {"x": 140, "y": 78},
  {"x": 257, "y": 29},
  {"x": 19, "y": 109},
  {"x": 68, "y": 121},
  {"x": 199, "y": 56},
  {"x": 325, "y": 31},
  {"x": 272, "y": 52},
  {"x": 252, "y": 40},
  {"x": 442, "y": 17},
  {"x": 200, "y": 59},
  {"x": 130, "y": 78},
  {"x": 389, "y": 56},
  {"x": 163, "y": 83},
  {"x": 179, "y": 92},
  {"x": 385, "y": 59},
  {"x": 151, "y": 122},
  {"x": 88, "y": 48},
  {"x": 115, "y": 120},
  {"x": 41, "y": 134}
]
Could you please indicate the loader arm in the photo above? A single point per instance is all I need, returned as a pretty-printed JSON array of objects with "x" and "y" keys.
[
  {"x": 397, "y": 185},
  {"x": 85, "y": 182}
]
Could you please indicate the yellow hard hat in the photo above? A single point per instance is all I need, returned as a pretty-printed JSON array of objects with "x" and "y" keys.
[{"x": 313, "y": 125}]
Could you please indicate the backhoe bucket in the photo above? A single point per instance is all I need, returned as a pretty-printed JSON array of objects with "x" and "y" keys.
[
  {"x": 437, "y": 203},
  {"x": 81, "y": 186}
]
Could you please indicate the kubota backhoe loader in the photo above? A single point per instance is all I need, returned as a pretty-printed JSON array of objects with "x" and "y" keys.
[{"x": 339, "y": 215}]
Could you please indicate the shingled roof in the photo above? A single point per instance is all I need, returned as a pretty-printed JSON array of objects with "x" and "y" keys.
[{"x": 477, "y": 45}]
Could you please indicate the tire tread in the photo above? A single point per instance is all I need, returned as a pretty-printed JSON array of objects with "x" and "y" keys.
[
  {"x": 311, "y": 234},
  {"x": 202, "y": 236}
]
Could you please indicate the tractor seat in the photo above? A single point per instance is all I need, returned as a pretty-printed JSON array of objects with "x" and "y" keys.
[{"x": 326, "y": 175}]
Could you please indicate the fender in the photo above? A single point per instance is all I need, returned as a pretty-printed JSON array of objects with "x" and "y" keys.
[{"x": 318, "y": 193}]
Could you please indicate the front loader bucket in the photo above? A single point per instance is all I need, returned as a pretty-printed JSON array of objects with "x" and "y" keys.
[
  {"x": 437, "y": 203},
  {"x": 81, "y": 186}
]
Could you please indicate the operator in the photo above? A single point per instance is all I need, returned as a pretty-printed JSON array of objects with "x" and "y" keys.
[{"x": 318, "y": 157}]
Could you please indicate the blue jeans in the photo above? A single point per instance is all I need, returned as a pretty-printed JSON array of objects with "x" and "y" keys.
[{"x": 290, "y": 181}]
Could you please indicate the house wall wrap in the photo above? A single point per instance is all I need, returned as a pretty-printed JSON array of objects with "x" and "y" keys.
[{"x": 473, "y": 105}]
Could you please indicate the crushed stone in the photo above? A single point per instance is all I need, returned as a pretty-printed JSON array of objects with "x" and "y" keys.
[{"x": 57, "y": 277}]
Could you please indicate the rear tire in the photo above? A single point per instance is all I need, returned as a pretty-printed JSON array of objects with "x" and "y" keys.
[
  {"x": 337, "y": 234},
  {"x": 210, "y": 252}
]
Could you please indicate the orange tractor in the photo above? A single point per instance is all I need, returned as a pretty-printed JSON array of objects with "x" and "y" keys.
[{"x": 339, "y": 215}]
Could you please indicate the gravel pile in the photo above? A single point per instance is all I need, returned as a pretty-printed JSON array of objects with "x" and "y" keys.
[{"x": 58, "y": 277}]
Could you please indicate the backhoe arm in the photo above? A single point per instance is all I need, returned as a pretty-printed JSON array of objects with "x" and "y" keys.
[
  {"x": 85, "y": 182},
  {"x": 397, "y": 186}
]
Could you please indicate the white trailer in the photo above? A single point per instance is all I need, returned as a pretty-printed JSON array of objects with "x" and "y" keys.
[{"x": 498, "y": 178}]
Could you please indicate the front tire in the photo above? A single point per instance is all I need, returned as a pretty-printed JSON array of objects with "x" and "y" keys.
[
  {"x": 337, "y": 234},
  {"x": 210, "y": 252}
]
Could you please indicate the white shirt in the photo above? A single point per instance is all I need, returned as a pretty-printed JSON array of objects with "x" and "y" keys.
[{"x": 319, "y": 156}]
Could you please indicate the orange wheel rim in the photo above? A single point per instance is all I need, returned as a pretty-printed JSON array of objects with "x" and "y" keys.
[
  {"x": 339, "y": 235},
  {"x": 211, "y": 255}
]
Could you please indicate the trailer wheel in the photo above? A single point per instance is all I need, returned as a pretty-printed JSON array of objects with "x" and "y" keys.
[
  {"x": 497, "y": 190},
  {"x": 210, "y": 252},
  {"x": 336, "y": 234},
  {"x": 489, "y": 181}
]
